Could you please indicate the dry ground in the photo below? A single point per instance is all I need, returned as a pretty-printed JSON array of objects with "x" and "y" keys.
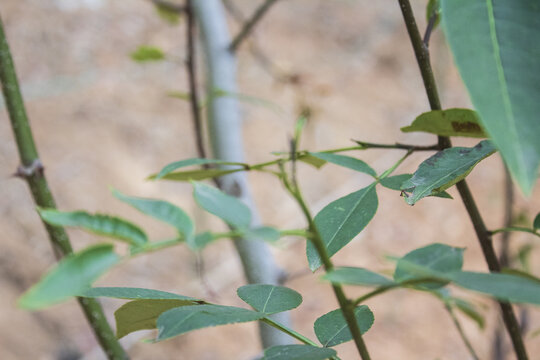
[{"x": 101, "y": 120}]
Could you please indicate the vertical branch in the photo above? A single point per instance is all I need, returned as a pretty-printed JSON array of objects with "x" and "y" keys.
[
  {"x": 483, "y": 235},
  {"x": 32, "y": 171},
  {"x": 225, "y": 131}
]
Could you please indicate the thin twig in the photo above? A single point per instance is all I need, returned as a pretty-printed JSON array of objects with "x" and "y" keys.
[
  {"x": 192, "y": 79},
  {"x": 429, "y": 28},
  {"x": 461, "y": 332},
  {"x": 484, "y": 237},
  {"x": 250, "y": 24},
  {"x": 32, "y": 171}
]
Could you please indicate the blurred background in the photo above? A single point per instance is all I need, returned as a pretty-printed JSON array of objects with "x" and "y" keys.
[{"x": 101, "y": 120}]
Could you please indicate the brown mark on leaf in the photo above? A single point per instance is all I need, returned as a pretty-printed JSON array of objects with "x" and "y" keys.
[
  {"x": 466, "y": 127},
  {"x": 433, "y": 159}
]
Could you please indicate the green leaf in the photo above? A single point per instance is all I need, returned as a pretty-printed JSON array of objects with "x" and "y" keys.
[
  {"x": 444, "y": 169},
  {"x": 71, "y": 276},
  {"x": 341, "y": 220},
  {"x": 269, "y": 299},
  {"x": 491, "y": 44},
  {"x": 231, "y": 210},
  {"x": 196, "y": 175},
  {"x": 331, "y": 328},
  {"x": 188, "y": 318},
  {"x": 297, "y": 352},
  {"x": 161, "y": 210},
  {"x": 142, "y": 314},
  {"x": 505, "y": 287},
  {"x": 357, "y": 276},
  {"x": 169, "y": 168},
  {"x": 395, "y": 182},
  {"x": 145, "y": 53},
  {"x": 167, "y": 14},
  {"x": 437, "y": 257},
  {"x": 264, "y": 233},
  {"x": 433, "y": 6},
  {"x": 312, "y": 160},
  {"x": 346, "y": 161},
  {"x": 99, "y": 224},
  {"x": 450, "y": 122},
  {"x": 524, "y": 255},
  {"x": 536, "y": 223},
  {"x": 179, "y": 95},
  {"x": 134, "y": 293}
]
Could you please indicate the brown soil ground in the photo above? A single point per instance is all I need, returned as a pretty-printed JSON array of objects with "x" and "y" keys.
[{"x": 102, "y": 120}]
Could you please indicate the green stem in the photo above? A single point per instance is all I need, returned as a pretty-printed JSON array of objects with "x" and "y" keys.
[
  {"x": 484, "y": 237},
  {"x": 367, "y": 145},
  {"x": 292, "y": 333},
  {"x": 347, "y": 306},
  {"x": 395, "y": 166},
  {"x": 462, "y": 334},
  {"x": 31, "y": 170},
  {"x": 515, "y": 228}
]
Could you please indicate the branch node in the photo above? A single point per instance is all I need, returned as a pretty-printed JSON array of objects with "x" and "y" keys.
[{"x": 24, "y": 172}]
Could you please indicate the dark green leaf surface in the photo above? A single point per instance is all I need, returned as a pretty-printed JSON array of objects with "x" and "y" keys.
[
  {"x": 444, "y": 169},
  {"x": 506, "y": 287},
  {"x": 99, "y": 224},
  {"x": 228, "y": 208},
  {"x": 142, "y": 314},
  {"x": 451, "y": 122},
  {"x": 395, "y": 182},
  {"x": 269, "y": 299},
  {"x": 331, "y": 328},
  {"x": 494, "y": 47},
  {"x": 161, "y": 210},
  {"x": 341, "y": 220},
  {"x": 145, "y": 53},
  {"x": 345, "y": 161},
  {"x": 71, "y": 276},
  {"x": 167, "y": 169},
  {"x": 188, "y": 318},
  {"x": 133, "y": 293},
  {"x": 297, "y": 352},
  {"x": 356, "y": 276},
  {"x": 437, "y": 257},
  {"x": 433, "y": 6},
  {"x": 536, "y": 223}
]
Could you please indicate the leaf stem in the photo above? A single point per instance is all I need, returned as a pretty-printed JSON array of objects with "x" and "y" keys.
[
  {"x": 515, "y": 228},
  {"x": 368, "y": 145},
  {"x": 33, "y": 172},
  {"x": 484, "y": 237}
]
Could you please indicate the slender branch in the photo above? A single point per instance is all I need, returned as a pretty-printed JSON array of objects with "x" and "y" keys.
[
  {"x": 346, "y": 305},
  {"x": 462, "y": 334},
  {"x": 429, "y": 28},
  {"x": 422, "y": 57},
  {"x": 32, "y": 171},
  {"x": 192, "y": 79},
  {"x": 250, "y": 24}
]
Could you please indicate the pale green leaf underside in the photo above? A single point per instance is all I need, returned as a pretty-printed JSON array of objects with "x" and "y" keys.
[
  {"x": 297, "y": 352},
  {"x": 269, "y": 299},
  {"x": 494, "y": 47}
]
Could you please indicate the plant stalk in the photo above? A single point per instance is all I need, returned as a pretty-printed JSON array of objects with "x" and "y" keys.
[
  {"x": 250, "y": 24},
  {"x": 483, "y": 235},
  {"x": 32, "y": 171}
]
